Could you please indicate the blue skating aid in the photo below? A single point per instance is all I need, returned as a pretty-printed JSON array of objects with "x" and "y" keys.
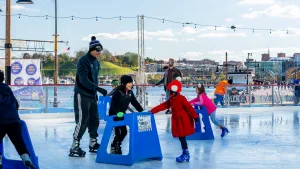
[
  {"x": 18, "y": 164},
  {"x": 103, "y": 107},
  {"x": 143, "y": 142},
  {"x": 207, "y": 134}
]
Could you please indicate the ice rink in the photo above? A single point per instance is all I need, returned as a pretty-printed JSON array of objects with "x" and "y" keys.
[{"x": 260, "y": 138}]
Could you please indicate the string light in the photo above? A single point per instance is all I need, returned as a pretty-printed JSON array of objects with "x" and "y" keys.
[{"x": 134, "y": 17}]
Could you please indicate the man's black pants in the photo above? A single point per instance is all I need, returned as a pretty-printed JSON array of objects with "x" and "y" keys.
[{"x": 86, "y": 116}]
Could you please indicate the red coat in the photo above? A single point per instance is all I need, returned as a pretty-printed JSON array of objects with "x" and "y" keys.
[{"x": 183, "y": 115}]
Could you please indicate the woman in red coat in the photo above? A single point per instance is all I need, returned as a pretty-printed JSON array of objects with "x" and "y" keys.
[{"x": 183, "y": 117}]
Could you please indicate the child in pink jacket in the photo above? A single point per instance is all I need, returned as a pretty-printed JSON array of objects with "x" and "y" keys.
[{"x": 211, "y": 108}]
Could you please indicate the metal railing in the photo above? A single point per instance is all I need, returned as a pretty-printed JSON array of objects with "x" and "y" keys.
[{"x": 39, "y": 99}]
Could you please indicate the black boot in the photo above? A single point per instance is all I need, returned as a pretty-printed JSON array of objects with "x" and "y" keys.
[
  {"x": 94, "y": 146},
  {"x": 116, "y": 148}
]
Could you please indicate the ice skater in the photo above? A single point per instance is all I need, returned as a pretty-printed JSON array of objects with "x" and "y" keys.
[
  {"x": 85, "y": 99},
  {"x": 121, "y": 99},
  {"x": 114, "y": 85},
  {"x": 211, "y": 108},
  {"x": 183, "y": 117},
  {"x": 10, "y": 123},
  {"x": 220, "y": 91}
]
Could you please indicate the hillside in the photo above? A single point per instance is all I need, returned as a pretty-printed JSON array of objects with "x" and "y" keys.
[{"x": 69, "y": 68}]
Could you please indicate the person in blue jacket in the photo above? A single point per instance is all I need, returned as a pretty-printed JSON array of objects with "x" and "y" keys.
[{"x": 10, "y": 123}]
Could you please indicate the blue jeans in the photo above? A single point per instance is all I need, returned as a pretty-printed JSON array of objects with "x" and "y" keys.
[
  {"x": 167, "y": 95},
  {"x": 219, "y": 98},
  {"x": 213, "y": 118}
]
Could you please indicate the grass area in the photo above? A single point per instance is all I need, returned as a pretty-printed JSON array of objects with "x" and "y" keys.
[
  {"x": 69, "y": 68},
  {"x": 108, "y": 68}
]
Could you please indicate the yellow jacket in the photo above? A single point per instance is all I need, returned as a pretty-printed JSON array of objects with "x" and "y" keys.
[{"x": 221, "y": 87}]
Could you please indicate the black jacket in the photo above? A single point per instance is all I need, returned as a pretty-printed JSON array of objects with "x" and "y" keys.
[
  {"x": 8, "y": 105},
  {"x": 175, "y": 73},
  {"x": 120, "y": 101},
  {"x": 87, "y": 73},
  {"x": 111, "y": 92}
]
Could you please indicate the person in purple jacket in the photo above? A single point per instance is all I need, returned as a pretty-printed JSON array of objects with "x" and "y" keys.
[
  {"x": 211, "y": 108},
  {"x": 10, "y": 123}
]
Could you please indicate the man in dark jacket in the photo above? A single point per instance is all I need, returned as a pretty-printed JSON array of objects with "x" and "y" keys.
[
  {"x": 10, "y": 123},
  {"x": 121, "y": 99},
  {"x": 85, "y": 98},
  {"x": 171, "y": 74}
]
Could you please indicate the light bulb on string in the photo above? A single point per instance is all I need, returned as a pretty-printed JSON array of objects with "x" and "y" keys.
[
  {"x": 120, "y": 18},
  {"x": 72, "y": 18},
  {"x": 46, "y": 17},
  {"x": 270, "y": 30},
  {"x": 96, "y": 18},
  {"x": 253, "y": 31},
  {"x": 195, "y": 26},
  {"x": 163, "y": 20},
  {"x": 19, "y": 16},
  {"x": 183, "y": 24},
  {"x": 287, "y": 31}
]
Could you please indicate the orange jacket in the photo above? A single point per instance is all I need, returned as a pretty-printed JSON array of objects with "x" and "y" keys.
[{"x": 221, "y": 87}]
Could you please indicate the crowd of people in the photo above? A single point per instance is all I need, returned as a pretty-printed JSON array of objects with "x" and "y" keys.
[{"x": 184, "y": 116}]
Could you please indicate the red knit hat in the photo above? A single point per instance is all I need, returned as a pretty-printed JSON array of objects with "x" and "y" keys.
[{"x": 175, "y": 86}]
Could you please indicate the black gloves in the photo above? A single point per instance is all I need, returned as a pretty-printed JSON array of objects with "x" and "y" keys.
[
  {"x": 102, "y": 91},
  {"x": 197, "y": 120}
]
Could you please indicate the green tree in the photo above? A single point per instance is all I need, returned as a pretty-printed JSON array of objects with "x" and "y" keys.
[
  {"x": 221, "y": 76},
  {"x": 131, "y": 59},
  {"x": 80, "y": 53},
  {"x": 114, "y": 59},
  {"x": 64, "y": 57},
  {"x": 149, "y": 60},
  {"x": 106, "y": 55}
]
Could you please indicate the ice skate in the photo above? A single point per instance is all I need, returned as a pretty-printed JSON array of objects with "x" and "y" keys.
[
  {"x": 76, "y": 151},
  {"x": 224, "y": 132},
  {"x": 116, "y": 148},
  {"x": 185, "y": 156},
  {"x": 29, "y": 165},
  {"x": 94, "y": 146}
]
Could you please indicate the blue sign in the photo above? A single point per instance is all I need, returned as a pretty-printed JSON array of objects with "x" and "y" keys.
[
  {"x": 19, "y": 81},
  {"x": 31, "y": 69},
  {"x": 16, "y": 68},
  {"x": 31, "y": 81}
]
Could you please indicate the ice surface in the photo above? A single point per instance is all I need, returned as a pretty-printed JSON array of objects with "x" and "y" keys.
[{"x": 260, "y": 138}]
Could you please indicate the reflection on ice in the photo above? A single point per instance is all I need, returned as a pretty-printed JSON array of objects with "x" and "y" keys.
[{"x": 259, "y": 138}]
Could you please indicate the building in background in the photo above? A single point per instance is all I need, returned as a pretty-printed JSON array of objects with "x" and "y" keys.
[
  {"x": 281, "y": 55},
  {"x": 265, "y": 57}
]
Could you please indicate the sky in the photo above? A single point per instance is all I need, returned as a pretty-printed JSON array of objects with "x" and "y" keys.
[{"x": 165, "y": 40}]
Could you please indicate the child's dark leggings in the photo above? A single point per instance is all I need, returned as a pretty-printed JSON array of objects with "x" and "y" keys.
[
  {"x": 120, "y": 134},
  {"x": 14, "y": 132},
  {"x": 183, "y": 143}
]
